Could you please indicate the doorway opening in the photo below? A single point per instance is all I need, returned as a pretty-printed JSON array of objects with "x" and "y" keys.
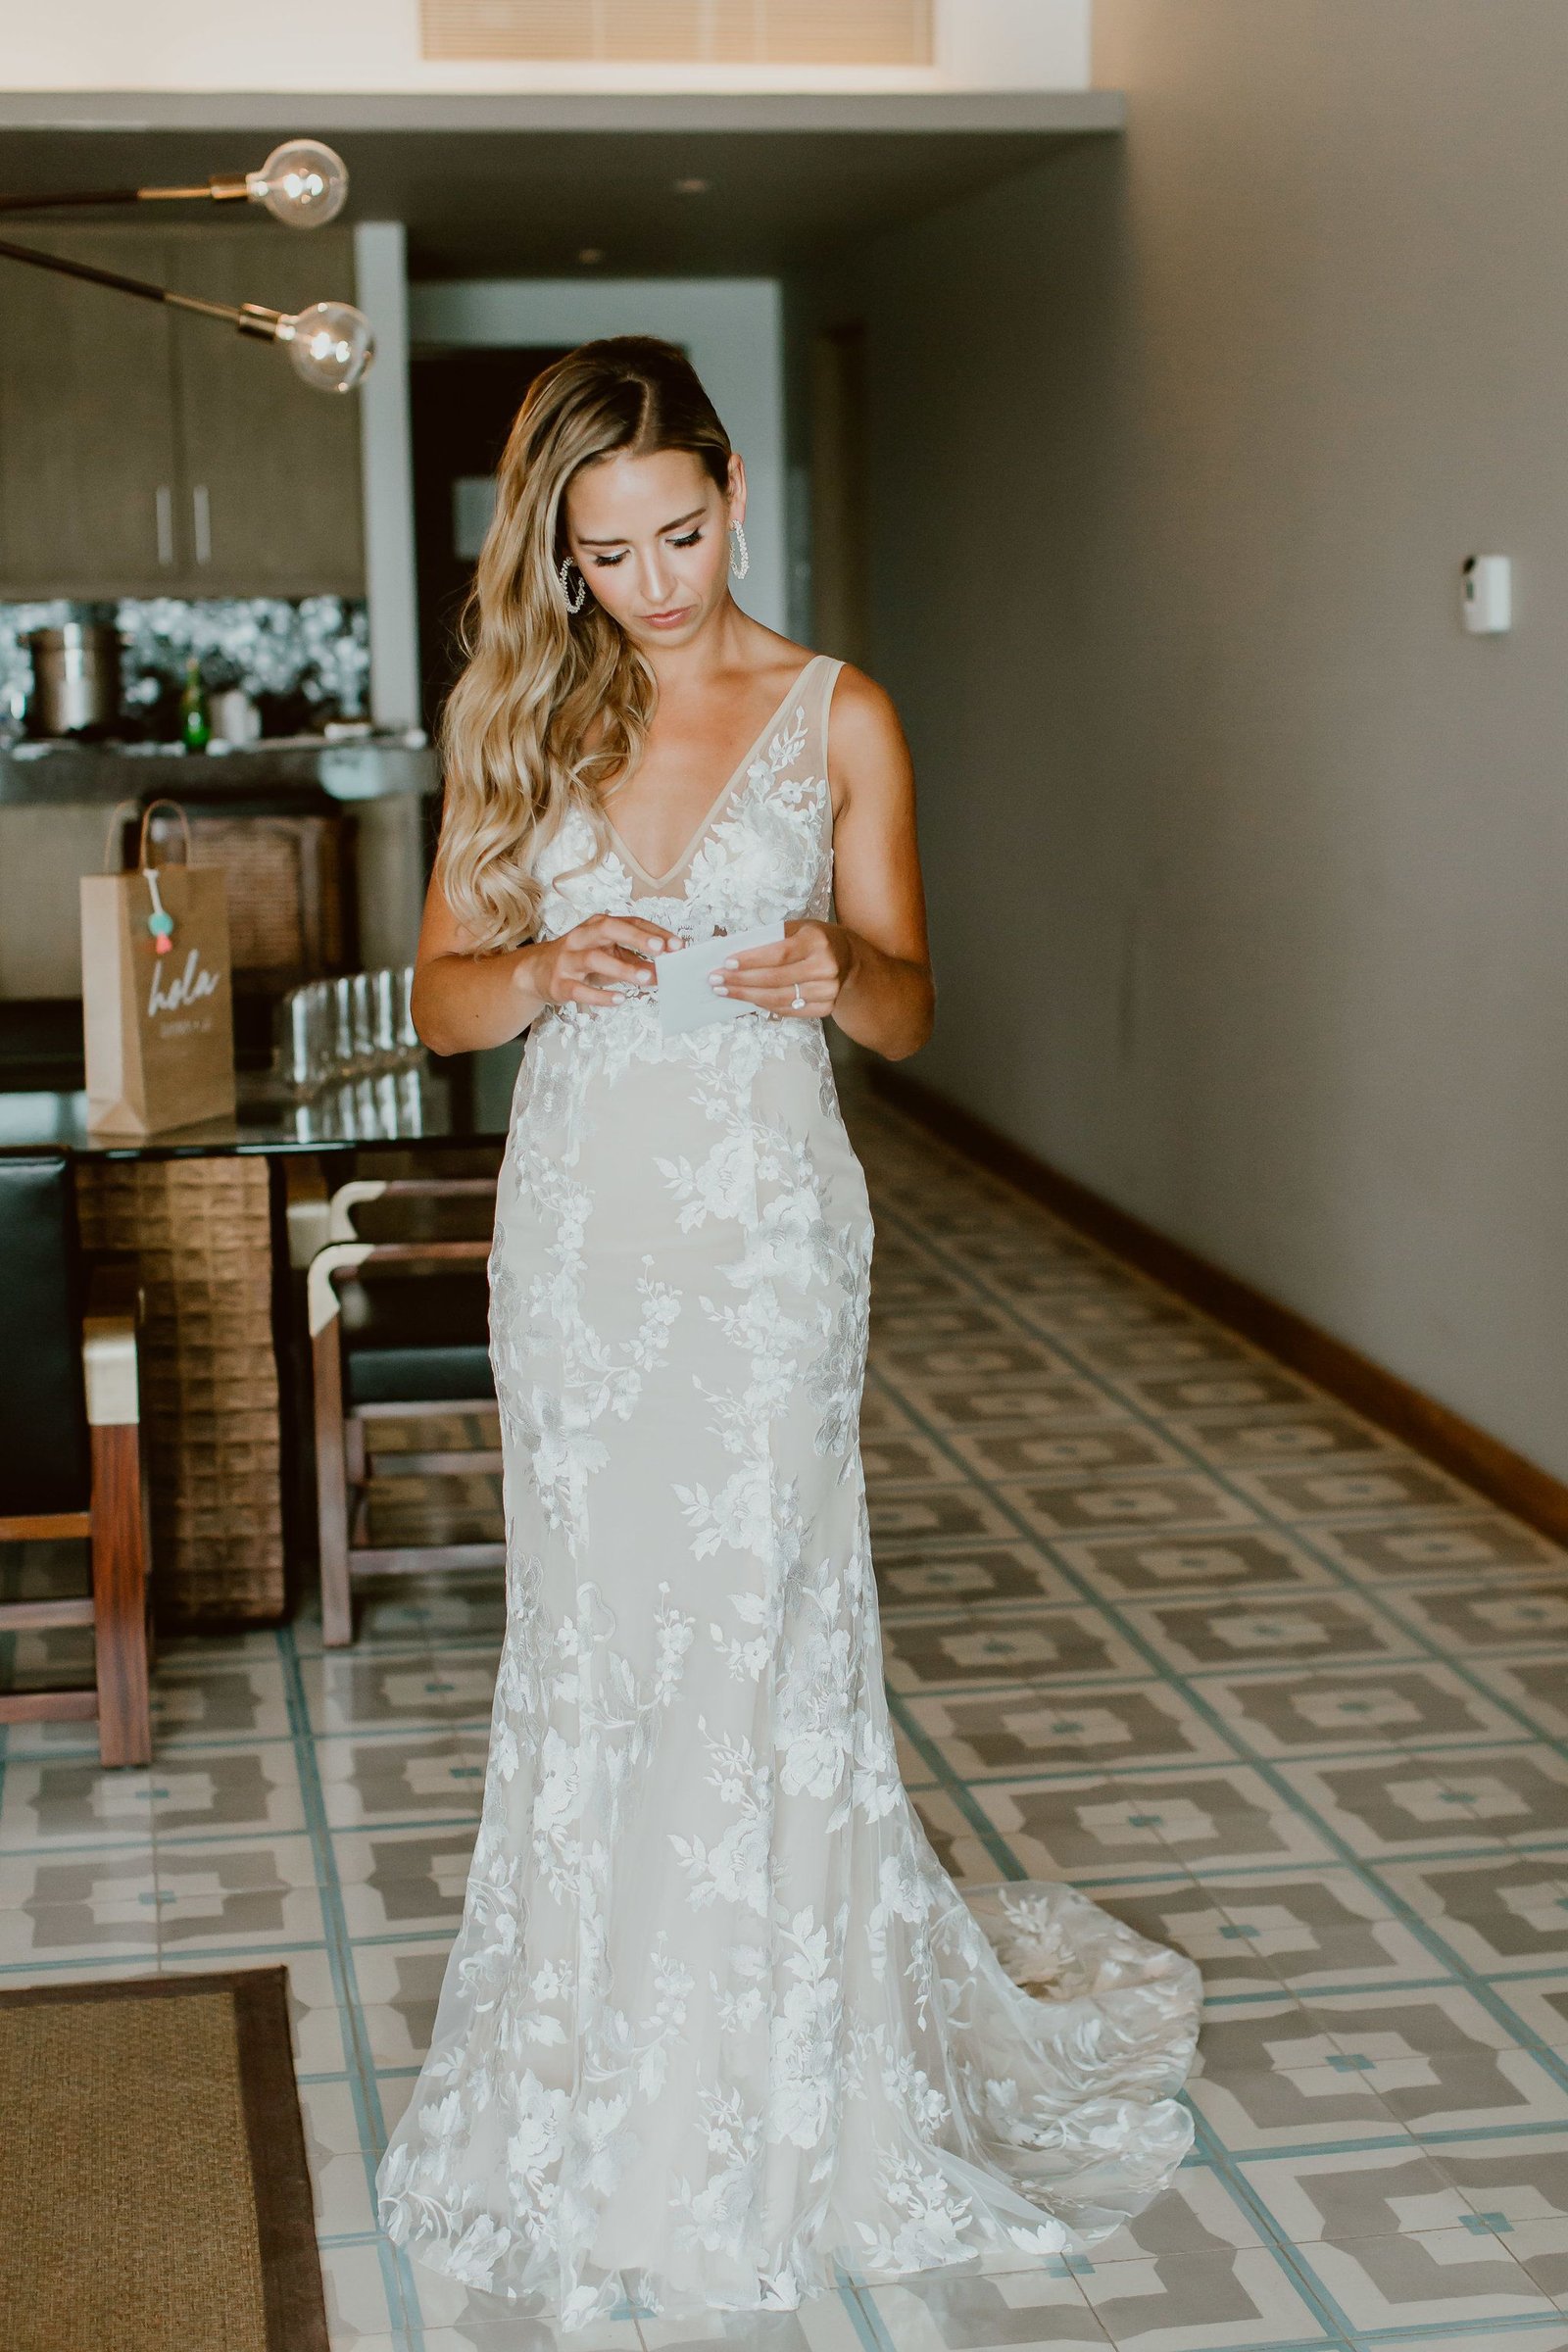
[{"x": 462, "y": 405}]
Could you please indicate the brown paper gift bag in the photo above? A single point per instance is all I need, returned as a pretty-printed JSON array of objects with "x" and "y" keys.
[{"x": 159, "y": 1028}]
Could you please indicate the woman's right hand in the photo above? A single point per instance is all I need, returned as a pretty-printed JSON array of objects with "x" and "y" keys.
[{"x": 571, "y": 969}]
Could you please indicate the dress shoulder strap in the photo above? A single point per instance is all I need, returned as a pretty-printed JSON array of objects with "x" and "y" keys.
[{"x": 827, "y": 677}]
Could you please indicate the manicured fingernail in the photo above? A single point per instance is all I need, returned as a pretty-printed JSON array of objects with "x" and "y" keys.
[
  {"x": 730, "y": 962},
  {"x": 717, "y": 985}
]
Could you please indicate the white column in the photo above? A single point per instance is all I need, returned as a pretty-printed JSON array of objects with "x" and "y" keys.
[{"x": 387, "y": 471}]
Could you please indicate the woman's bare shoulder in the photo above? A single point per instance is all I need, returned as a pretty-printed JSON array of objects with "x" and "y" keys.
[
  {"x": 863, "y": 724},
  {"x": 868, "y": 762}
]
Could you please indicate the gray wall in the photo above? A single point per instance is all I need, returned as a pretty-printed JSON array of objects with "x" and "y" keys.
[{"x": 1247, "y": 867}]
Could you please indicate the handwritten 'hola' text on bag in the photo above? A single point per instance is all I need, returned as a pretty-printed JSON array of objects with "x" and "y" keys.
[{"x": 191, "y": 985}]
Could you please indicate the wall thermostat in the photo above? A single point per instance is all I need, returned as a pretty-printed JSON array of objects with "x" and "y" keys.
[{"x": 1486, "y": 602}]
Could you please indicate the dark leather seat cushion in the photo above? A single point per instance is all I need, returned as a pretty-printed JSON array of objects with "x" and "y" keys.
[
  {"x": 43, "y": 1422},
  {"x": 413, "y": 1338}
]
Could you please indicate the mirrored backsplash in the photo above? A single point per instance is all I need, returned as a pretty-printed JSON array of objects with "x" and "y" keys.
[{"x": 302, "y": 660}]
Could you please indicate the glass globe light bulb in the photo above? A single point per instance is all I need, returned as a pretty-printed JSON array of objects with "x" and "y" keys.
[
  {"x": 301, "y": 183},
  {"x": 331, "y": 345}
]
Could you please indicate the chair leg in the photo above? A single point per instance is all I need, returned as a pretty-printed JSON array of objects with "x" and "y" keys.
[
  {"x": 119, "y": 1595},
  {"x": 332, "y": 1490}
]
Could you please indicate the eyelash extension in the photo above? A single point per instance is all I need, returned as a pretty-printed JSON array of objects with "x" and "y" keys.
[{"x": 609, "y": 562}]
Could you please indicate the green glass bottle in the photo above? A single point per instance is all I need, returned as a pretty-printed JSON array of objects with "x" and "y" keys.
[{"x": 195, "y": 728}]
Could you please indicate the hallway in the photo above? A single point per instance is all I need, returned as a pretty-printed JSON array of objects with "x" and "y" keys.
[{"x": 1158, "y": 1619}]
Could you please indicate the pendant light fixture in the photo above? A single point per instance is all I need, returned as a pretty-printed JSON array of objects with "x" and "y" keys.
[{"x": 304, "y": 184}]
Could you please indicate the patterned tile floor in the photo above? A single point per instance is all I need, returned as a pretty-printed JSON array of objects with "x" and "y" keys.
[{"x": 1159, "y": 1618}]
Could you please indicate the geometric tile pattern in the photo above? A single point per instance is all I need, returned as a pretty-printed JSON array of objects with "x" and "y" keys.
[{"x": 1159, "y": 1617}]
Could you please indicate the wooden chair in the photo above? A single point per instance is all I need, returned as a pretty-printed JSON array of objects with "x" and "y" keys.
[
  {"x": 400, "y": 1330},
  {"x": 70, "y": 1448}
]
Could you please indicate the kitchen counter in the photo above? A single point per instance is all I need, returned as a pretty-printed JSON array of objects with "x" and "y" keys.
[
  {"x": 55, "y": 799},
  {"x": 68, "y": 774}
]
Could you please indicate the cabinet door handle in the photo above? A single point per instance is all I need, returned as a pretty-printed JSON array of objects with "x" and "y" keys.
[
  {"x": 201, "y": 520},
  {"x": 164, "y": 503}
]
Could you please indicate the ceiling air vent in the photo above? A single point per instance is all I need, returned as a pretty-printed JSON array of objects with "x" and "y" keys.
[{"x": 707, "y": 32}]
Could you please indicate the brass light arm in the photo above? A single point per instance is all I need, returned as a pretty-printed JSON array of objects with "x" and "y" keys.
[
  {"x": 330, "y": 343},
  {"x": 303, "y": 183},
  {"x": 117, "y": 279},
  {"x": 49, "y": 204},
  {"x": 227, "y": 189}
]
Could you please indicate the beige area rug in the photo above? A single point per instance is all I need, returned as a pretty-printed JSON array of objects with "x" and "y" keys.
[{"x": 154, "y": 2195}]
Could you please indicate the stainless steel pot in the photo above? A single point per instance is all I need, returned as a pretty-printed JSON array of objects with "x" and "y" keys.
[{"x": 75, "y": 678}]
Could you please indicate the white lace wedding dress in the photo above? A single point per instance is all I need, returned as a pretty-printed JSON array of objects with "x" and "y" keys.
[{"x": 716, "y": 2016}]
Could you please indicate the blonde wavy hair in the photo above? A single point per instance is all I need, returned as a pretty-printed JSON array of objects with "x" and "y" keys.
[{"x": 550, "y": 706}]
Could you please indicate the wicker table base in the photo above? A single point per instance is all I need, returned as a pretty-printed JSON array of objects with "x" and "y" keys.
[{"x": 200, "y": 1232}]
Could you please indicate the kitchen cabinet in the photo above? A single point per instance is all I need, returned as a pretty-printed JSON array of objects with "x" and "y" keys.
[
  {"x": 87, "y": 429},
  {"x": 148, "y": 452},
  {"x": 270, "y": 469}
]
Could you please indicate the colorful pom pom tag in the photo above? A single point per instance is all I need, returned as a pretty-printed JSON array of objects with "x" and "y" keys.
[{"x": 160, "y": 922}]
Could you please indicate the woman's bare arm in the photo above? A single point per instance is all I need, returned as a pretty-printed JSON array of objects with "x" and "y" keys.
[
  {"x": 463, "y": 1000},
  {"x": 886, "y": 999},
  {"x": 871, "y": 970}
]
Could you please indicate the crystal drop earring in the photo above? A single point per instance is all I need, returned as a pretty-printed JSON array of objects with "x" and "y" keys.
[
  {"x": 741, "y": 568},
  {"x": 566, "y": 587}
]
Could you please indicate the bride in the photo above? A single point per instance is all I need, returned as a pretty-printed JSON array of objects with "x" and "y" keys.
[{"x": 716, "y": 2019}]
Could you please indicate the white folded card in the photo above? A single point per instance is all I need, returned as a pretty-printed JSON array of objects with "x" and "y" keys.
[{"x": 686, "y": 998}]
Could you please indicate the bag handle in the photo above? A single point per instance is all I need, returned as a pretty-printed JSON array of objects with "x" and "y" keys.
[
  {"x": 114, "y": 816},
  {"x": 118, "y": 810},
  {"x": 147, "y": 819}
]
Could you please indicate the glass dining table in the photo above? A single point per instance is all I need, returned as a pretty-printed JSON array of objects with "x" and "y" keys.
[
  {"x": 221, "y": 1220},
  {"x": 464, "y": 1101}
]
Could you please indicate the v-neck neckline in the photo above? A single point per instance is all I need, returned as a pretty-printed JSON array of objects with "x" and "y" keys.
[{"x": 726, "y": 789}]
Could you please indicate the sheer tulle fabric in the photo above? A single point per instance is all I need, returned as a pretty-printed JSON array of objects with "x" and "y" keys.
[{"x": 716, "y": 2019}]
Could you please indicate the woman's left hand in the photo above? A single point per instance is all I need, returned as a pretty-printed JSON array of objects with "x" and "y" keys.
[{"x": 811, "y": 961}]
